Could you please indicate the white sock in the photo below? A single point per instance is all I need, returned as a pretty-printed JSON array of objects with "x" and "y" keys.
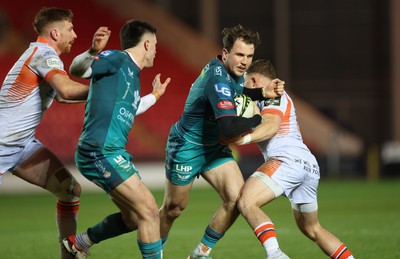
[
  {"x": 271, "y": 246},
  {"x": 202, "y": 250},
  {"x": 83, "y": 242}
]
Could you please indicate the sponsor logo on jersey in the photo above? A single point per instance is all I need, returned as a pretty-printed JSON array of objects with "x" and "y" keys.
[
  {"x": 218, "y": 71},
  {"x": 136, "y": 100},
  {"x": 226, "y": 105},
  {"x": 228, "y": 78},
  {"x": 125, "y": 116},
  {"x": 222, "y": 90},
  {"x": 206, "y": 68},
  {"x": 106, "y": 53},
  {"x": 130, "y": 72},
  {"x": 53, "y": 63},
  {"x": 272, "y": 101}
]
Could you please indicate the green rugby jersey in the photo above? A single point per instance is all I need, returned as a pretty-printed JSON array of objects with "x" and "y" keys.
[
  {"x": 210, "y": 97},
  {"x": 112, "y": 103}
]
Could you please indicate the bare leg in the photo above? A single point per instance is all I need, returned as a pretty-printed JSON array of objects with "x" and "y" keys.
[
  {"x": 45, "y": 170},
  {"x": 254, "y": 195},
  {"x": 175, "y": 201},
  {"x": 308, "y": 224},
  {"x": 227, "y": 180},
  {"x": 139, "y": 209}
]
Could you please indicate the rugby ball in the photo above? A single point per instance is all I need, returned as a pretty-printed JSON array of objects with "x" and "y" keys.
[{"x": 244, "y": 106}]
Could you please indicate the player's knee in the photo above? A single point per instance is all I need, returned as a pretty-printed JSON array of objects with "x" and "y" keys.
[
  {"x": 152, "y": 213},
  {"x": 242, "y": 205},
  {"x": 311, "y": 232},
  {"x": 230, "y": 201},
  {"x": 71, "y": 190},
  {"x": 67, "y": 190},
  {"x": 173, "y": 211}
]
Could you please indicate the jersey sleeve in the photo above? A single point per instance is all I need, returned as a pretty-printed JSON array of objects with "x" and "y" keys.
[
  {"x": 220, "y": 95},
  {"x": 104, "y": 64},
  {"x": 46, "y": 63},
  {"x": 273, "y": 106}
]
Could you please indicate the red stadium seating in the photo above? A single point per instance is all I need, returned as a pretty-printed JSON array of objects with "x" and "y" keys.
[{"x": 61, "y": 124}]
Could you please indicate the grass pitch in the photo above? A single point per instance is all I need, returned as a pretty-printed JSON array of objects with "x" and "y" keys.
[{"x": 365, "y": 216}]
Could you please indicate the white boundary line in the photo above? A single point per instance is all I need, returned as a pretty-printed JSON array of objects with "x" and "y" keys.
[{"x": 152, "y": 173}]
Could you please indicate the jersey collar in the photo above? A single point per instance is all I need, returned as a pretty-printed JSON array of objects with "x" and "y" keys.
[
  {"x": 133, "y": 59},
  {"x": 42, "y": 40}
]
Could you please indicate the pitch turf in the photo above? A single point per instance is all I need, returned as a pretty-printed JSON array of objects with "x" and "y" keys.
[{"x": 364, "y": 215}]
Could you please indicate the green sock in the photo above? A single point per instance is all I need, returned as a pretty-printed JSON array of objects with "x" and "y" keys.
[
  {"x": 151, "y": 250},
  {"x": 112, "y": 226}
]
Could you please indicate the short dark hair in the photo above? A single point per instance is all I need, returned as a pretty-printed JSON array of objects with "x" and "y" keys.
[
  {"x": 132, "y": 32},
  {"x": 230, "y": 35},
  {"x": 48, "y": 15},
  {"x": 263, "y": 67}
]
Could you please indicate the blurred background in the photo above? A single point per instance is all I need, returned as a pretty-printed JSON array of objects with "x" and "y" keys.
[{"x": 340, "y": 61}]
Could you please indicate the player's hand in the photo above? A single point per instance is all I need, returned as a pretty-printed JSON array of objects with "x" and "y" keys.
[
  {"x": 100, "y": 40},
  {"x": 274, "y": 89},
  {"x": 158, "y": 86}
]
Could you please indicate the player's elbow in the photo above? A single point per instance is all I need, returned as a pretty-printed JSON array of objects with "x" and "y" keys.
[{"x": 65, "y": 94}]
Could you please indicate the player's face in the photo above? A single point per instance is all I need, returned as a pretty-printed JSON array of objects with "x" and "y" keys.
[
  {"x": 150, "y": 45},
  {"x": 239, "y": 58},
  {"x": 255, "y": 80},
  {"x": 65, "y": 36}
]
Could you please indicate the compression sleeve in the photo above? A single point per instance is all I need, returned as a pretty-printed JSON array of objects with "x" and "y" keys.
[
  {"x": 232, "y": 126},
  {"x": 145, "y": 103},
  {"x": 80, "y": 66},
  {"x": 254, "y": 93}
]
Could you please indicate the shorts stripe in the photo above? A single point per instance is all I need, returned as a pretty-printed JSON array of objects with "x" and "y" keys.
[{"x": 270, "y": 167}]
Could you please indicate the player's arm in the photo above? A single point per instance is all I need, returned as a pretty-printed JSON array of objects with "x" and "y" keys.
[
  {"x": 158, "y": 90},
  {"x": 233, "y": 126},
  {"x": 67, "y": 89},
  {"x": 274, "y": 89},
  {"x": 80, "y": 66},
  {"x": 266, "y": 130},
  {"x": 61, "y": 100}
]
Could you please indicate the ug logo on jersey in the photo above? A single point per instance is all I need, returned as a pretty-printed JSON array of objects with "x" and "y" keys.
[{"x": 53, "y": 63}]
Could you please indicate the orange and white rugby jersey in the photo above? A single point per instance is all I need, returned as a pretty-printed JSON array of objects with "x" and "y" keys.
[
  {"x": 288, "y": 141},
  {"x": 25, "y": 93}
]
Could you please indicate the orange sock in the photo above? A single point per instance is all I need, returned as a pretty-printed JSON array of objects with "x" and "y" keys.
[
  {"x": 67, "y": 207},
  {"x": 265, "y": 231},
  {"x": 66, "y": 215},
  {"x": 267, "y": 236},
  {"x": 342, "y": 253}
]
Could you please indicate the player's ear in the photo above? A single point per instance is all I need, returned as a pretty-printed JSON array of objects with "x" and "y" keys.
[
  {"x": 224, "y": 54},
  {"x": 146, "y": 45},
  {"x": 54, "y": 34}
]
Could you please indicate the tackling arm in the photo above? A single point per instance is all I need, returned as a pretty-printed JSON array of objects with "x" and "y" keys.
[
  {"x": 274, "y": 89},
  {"x": 266, "y": 130},
  {"x": 80, "y": 66},
  {"x": 233, "y": 126},
  {"x": 67, "y": 89}
]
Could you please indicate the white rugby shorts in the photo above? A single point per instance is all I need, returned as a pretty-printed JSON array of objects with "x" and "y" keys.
[
  {"x": 297, "y": 177},
  {"x": 10, "y": 157}
]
